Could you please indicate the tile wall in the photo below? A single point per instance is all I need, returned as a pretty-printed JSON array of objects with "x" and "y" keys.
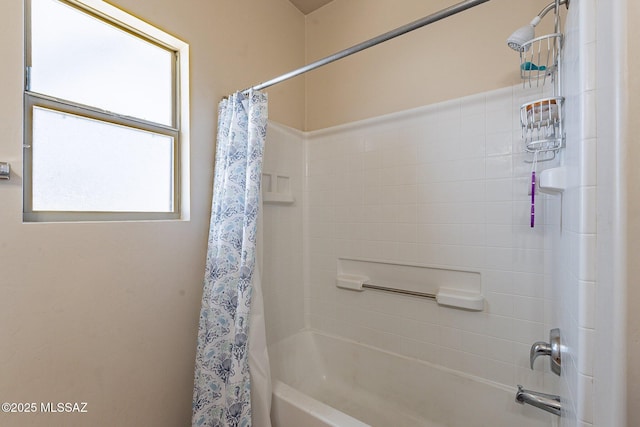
[
  {"x": 282, "y": 258},
  {"x": 446, "y": 185},
  {"x": 572, "y": 235},
  {"x": 443, "y": 185}
]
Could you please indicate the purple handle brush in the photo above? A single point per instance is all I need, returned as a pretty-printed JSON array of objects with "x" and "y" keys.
[{"x": 533, "y": 197}]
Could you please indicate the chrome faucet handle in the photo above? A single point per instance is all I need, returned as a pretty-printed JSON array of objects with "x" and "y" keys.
[
  {"x": 539, "y": 348},
  {"x": 552, "y": 349}
]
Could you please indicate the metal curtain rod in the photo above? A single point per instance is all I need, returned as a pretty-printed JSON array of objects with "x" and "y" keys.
[
  {"x": 400, "y": 291},
  {"x": 444, "y": 13}
]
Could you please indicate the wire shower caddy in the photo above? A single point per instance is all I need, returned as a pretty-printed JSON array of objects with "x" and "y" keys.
[{"x": 542, "y": 119}]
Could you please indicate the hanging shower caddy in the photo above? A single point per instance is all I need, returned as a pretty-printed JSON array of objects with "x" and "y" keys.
[{"x": 542, "y": 119}]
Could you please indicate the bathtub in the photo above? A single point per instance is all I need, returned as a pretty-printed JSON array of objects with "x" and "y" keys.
[{"x": 321, "y": 380}]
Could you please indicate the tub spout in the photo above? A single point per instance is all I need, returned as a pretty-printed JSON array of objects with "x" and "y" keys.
[{"x": 547, "y": 402}]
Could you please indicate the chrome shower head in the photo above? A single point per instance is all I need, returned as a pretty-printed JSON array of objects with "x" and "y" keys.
[
  {"x": 523, "y": 35},
  {"x": 526, "y": 33}
]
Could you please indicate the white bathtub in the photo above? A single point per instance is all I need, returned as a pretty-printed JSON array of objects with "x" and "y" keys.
[{"x": 320, "y": 381}]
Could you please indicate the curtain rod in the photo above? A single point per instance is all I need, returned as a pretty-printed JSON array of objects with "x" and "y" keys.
[{"x": 444, "y": 13}]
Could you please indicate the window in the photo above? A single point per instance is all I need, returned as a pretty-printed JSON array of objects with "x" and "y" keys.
[{"x": 105, "y": 115}]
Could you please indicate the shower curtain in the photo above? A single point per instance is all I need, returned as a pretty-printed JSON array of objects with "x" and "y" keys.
[{"x": 224, "y": 381}]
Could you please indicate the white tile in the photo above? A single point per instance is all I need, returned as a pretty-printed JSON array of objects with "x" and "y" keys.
[
  {"x": 466, "y": 320},
  {"x": 453, "y": 359},
  {"x": 588, "y": 156},
  {"x": 499, "y": 213},
  {"x": 381, "y": 340},
  {"x": 522, "y": 214},
  {"x": 325, "y": 229},
  {"x": 322, "y": 308},
  {"x": 407, "y": 154},
  {"x": 495, "y": 370},
  {"x": 407, "y": 213},
  {"x": 389, "y": 252},
  {"x": 406, "y": 194},
  {"x": 521, "y": 356},
  {"x": 500, "y": 350},
  {"x": 527, "y": 308},
  {"x": 447, "y": 187},
  {"x": 528, "y": 284},
  {"x": 347, "y": 163},
  {"x": 500, "y": 99},
  {"x": 322, "y": 214},
  {"x": 587, "y": 304},
  {"x": 474, "y": 124},
  {"x": 380, "y": 140},
  {"x": 421, "y": 350},
  {"x": 587, "y": 210},
  {"x": 409, "y": 252},
  {"x": 465, "y": 169},
  {"x": 407, "y": 175},
  {"x": 533, "y": 380},
  {"x": 406, "y": 233},
  {"x": 526, "y": 332},
  {"x": 588, "y": 259},
  {"x": 346, "y": 213},
  {"x": 497, "y": 281},
  {"x": 499, "y": 259},
  {"x": 499, "y": 190},
  {"x": 528, "y": 260},
  {"x": 473, "y": 105},
  {"x": 585, "y": 398},
  {"x": 499, "y": 235},
  {"x": 371, "y": 249},
  {"x": 498, "y": 167},
  {"x": 474, "y": 343},
  {"x": 319, "y": 183},
  {"x": 525, "y": 237},
  {"x": 589, "y": 115},
  {"x": 588, "y": 58},
  {"x": 499, "y": 143},
  {"x": 524, "y": 94},
  {"x": 472, "y": 146},
  {"x": 500, "y": 304},
  {"x": 586, "y": 351},
  {"x": 472, "y": 235},
  {"x": 521, "y": 165},
  {"x": 471, "y": 257},
  {"x": 323, "y": 293},
  {"x": 389, "y": 213},
  {"x": 348, "y": 197},
  {"x": 321, "y": 166},
  {"x": 352, "y": 144},
  {"x": 372, "y": 160},
  {"x": 371, "y": 195},
  {"x": 499, "y": 327},
  {"x": 587, "y": 21},
  {"x": 420, "y": 331}
]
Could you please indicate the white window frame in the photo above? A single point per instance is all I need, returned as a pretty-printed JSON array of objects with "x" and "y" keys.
[{"x": 179, "y": 130}]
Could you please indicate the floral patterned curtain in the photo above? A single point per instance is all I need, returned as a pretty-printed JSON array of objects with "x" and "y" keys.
[{"x": 221, "y": 394}]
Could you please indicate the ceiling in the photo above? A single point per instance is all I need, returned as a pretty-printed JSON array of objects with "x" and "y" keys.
[{"x": 308, "y": 6}]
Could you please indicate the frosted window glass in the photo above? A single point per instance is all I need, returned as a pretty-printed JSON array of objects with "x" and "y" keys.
[
  {"x": 85, "y": 165},
  {"x": 78, "y": 57}
]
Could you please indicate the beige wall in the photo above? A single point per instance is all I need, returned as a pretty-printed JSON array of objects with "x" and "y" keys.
[
  {"x": 633, "y": 214},
  {"x": 462, "y": 55},
  {"x": 107, "y": 313}
]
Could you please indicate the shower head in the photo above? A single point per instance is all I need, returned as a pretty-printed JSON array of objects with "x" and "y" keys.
[
  {"x": 523, "y": 35},
  {"x": 526, "y": 33}
]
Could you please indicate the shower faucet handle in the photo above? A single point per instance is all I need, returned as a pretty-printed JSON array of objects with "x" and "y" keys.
[
  {"x": 552, "y": 348},
  {"x": 539, "y": 348}
]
